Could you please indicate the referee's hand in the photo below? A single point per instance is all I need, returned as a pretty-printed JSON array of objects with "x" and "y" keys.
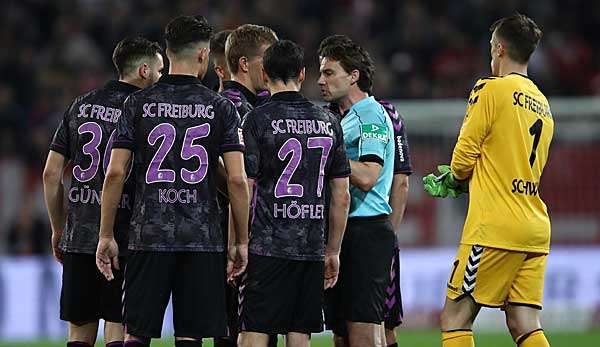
[
  {"x": 332, "y": 268},
  {"x": 107, "y": 256}
]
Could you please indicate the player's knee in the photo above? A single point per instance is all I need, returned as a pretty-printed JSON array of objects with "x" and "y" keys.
[
  {"x": 113, "y": 332},
  {"x": 390, "y": 337},
  {"x": 520, "y": 322},
  {"x": 83, "y": 332},
  {"x": 339, "y": 341}
]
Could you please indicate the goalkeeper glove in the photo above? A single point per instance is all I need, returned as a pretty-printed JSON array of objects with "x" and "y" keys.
[{"x": 445, "y": 184}]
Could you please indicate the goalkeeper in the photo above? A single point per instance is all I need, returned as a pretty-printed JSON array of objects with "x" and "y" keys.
[{"x": 500, "y": 153}]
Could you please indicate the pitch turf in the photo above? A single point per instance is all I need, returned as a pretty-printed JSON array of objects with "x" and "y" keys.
[{"x": 405, "y": 339}]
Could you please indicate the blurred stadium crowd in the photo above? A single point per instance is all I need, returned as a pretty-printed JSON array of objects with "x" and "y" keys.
[{"x": 55, "y": 50}]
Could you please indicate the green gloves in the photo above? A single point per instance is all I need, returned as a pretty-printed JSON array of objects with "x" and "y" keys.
[{"x": 445, "y": 184}]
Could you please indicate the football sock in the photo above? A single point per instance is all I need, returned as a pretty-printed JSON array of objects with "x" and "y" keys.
[
  {"x": 272, "y": 341},
  {"x": 535, "y": 338},
  {"x": 188, "y": 343},
  {"x": 136, "y": 343},
  {"x": 78, "y": 344},
  {"x": 115, "y": 344},
  {"x": 458, "y": 338},
  {"x": 395, "y": 344},
  {"x": 224, "y": 342}
]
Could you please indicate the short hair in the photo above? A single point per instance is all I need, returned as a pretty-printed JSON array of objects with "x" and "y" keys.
[
  {"x": 245, "y": 41},
  {"x": 217, "y": 43},
  {"x": 351, "y": 57},
  {"x": 184, "y": 31},
  {"x": 129, "y": 51},
  {"x": 521, "y": 35},
  {"x": 283, "y": 60}
]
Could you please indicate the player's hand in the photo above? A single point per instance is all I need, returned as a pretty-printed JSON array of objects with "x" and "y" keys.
[
  {"x": 237, "y": 261},
  {"x": 455, "y": 187},
  {"x": 434, "y": 186},
  {"x": 56, "y": 251},
  {"x": 107, "y": 256},
  {"x": 332, "y": 269}
]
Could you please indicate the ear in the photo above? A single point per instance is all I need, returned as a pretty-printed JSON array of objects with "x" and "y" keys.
[
  {"x": 202, "y": 54},
  {"x": 219, "y": 71},
  {"x": 143, "y": 71},
  {"x": 355, "y": 76},
  {"x": 243, "y": 64},
  {"x": 302, "y": 75}
]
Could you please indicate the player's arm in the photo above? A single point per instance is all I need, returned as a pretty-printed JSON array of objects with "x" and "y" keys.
[
  {"x": 372, "y": 144},
  {"x": 54, "y": 198},
  {"x": 107, "y": 251},
  {"x": 398, "y": 198},
  {"x": 112, "y": 189},
  {"x": 475, "y": 128},
  {"x": 339, "y": 204}
]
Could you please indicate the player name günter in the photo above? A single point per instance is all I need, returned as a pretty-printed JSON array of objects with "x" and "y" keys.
[
  {"x": 297, "y": 211},
  {"x": 301, "y": 127},
  {"x": 86, "y": 195},
  {"x": 182, "y": 196},
  {"x": 162, "y": 109},
  {"x": 105, "y": 113}
]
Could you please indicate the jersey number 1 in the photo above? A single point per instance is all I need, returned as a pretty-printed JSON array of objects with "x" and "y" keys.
[{"x": 536, "y": 132}]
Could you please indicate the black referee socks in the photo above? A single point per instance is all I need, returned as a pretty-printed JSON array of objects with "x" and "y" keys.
[
  {"x": 188, "y": 343},
  {"x": 78, "y": 344}
]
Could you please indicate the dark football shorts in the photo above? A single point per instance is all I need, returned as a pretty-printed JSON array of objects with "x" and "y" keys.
[
  {"x": 279, "y": 295},
  {"x": 86, "y": 296},
  {"x": 365, "y": 263},
  {"x": 393, "y": 297},
  {"x": 196, "y": 282}
]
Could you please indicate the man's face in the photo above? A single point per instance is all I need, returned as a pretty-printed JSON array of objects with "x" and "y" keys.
[
  {"x": 496, "y": 51},
  {"x": 334, "y": 81},
  {"x": 255, "y": 67},
  {"x": 155, "y": 69}
]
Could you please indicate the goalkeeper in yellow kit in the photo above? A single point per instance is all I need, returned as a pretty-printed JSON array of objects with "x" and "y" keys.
[{"x": 500, "y": 154}]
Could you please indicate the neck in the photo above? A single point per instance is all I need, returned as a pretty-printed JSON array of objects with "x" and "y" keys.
[
  {"x": 181, "y": 68},
  {"x": 138, "y": 82},
  {"x": 510, "y": 67},
  {"x": 355, "y": 95},
  {"x": 244, "y": 79},
  {"x": 279, "y": 86}
]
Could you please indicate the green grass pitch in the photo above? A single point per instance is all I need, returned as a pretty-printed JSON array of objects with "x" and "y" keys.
[{"x": 405, "y": 339}]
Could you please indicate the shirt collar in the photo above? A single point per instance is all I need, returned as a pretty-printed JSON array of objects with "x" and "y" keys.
[
  {"x": 242, "y": 88},
  {"x": 179, "y": 79},
  {"x": 122, "y": 86},
  {"x": 288, "y": 96}
]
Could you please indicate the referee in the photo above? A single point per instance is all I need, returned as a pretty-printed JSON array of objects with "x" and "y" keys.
[{"x": 355, "y": 306}]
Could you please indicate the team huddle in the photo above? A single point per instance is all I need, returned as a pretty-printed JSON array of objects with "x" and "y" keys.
[{"x": 260, "y": 213}]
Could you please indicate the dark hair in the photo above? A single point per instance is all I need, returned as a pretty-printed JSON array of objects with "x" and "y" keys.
[
  {"x": 521, "y": 35},
  {"x": 183, "y": 31},
  {"x": 351, "y": 57},
  {"x": 245, "y": 41},
  {"x": 283, "y": 60},
  {"x": 217, "y": 44},
  {"x": 129, "y": 51}
]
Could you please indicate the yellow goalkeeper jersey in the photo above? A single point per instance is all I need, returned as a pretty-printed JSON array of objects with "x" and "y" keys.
[{"x": 503, "y": 148}]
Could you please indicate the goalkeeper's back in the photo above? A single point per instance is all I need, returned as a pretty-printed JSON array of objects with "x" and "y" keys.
[{"x": 503, "y": 147}]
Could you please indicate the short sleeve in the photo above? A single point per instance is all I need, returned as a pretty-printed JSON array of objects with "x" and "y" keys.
[
  {"x": 125, "y": 135},
  {"x": 231, "y": 138},
  {"x": 402, "y": 163},
  {"x": 373, "y": 140},
  {"x": 251, "y": 140},
  {"x": 340, "y": 166},
  {"x": 60, "y": 140}
]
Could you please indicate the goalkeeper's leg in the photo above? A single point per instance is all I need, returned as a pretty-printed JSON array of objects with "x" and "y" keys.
[{"x": 457, "y": 321}]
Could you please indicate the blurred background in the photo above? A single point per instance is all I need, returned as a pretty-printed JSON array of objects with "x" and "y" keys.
[{"x": 428, "y": 55}]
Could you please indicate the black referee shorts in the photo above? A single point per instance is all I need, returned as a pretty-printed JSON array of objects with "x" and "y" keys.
[
  {"x": 196, "y": 282},
  {"x": 365, "y": 263},
  {"x": 86, "y": 296}
]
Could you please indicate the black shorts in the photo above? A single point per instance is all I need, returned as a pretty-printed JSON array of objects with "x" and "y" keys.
[
  {"x": 196, "y": 282},
  {"x": 393, "y": 297},
  {"x": 365, "y": 263},
  {"x": 86, "y": 296},
  {"x": 278, "y": 296}
]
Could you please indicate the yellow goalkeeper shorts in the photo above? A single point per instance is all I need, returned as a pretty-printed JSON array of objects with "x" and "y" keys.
[{"x": 497, "y": 277}]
